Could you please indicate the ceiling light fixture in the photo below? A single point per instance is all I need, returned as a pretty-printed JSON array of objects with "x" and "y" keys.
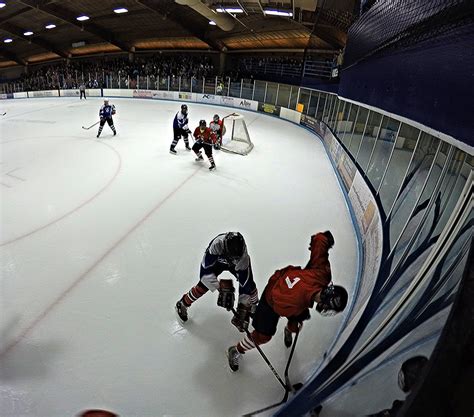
[
  {"x": 278, "y": 13},
  {"x": 29, "y": 33},
  {"x": 229, "y": 10},
  {"x": 82, "y": 18},
  {"x": 211, "y": 22},
  {"x": 51, "y": 26},
  {"x": 120, "y": 10},
  {"x": 8, "y": 40},
  {"x": 2, "y": 4}
]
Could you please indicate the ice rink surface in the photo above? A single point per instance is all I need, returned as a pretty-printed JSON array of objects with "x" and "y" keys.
[{"x": 101, "y": 237}]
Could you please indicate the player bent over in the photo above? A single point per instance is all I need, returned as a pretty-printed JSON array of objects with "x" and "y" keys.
[
  {"x": 226, "y": 252},
  {"x": 180, "y": 129},
  {"x": 205, "y": 138},
  {"x": 218, "y": 128},
  {"x": 290, "y": 292},
  {"x": 105, "y": 113}
]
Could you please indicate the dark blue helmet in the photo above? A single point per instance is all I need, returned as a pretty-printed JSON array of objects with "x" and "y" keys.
[
  {"x": 234, "y": 244},
  {"x": 333, "y": 300}
]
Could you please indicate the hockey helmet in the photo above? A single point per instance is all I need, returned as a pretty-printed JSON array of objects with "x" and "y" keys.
[
  {"x": 184, "y": 109},
  {"x": 234, "y": 244},
  {"x": 216, "y": 118},
  {"x": 106, "y": 101},
  {"x": 333, "y": 300},
  {"x": 202, "y": 123},
  {"x": 410, "y": 372}
]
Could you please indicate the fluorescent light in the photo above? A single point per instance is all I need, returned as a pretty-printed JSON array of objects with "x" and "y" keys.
[
  {"x": 29, "y": 33},
  {"x": 82, "y": 18},
  {"x": 230, "y": 10},
  {"x": 279, "y": 13},
  {"x": 2, "y": 4},
  {"x": 211, "y": 22},
  {"x": 120, "y": 10},
  {"x": 8, "y": 40},
  {"x": 51, "y": 26}
]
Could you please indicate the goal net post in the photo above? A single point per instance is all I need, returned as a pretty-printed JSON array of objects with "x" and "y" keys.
[{"x": 236, "y": 138}]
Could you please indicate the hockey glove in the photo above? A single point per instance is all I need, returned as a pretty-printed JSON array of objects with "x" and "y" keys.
[
  {"x": 242, "y": 317},
  {"x": 226, "y": 296}
]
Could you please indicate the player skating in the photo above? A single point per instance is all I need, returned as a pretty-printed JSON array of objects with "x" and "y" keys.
[
  {"x": 205, "y": 138},
  {"x": 180, "y": 129},
  {"x": 226, "y": 252},
  {"x": 217, "y": 127},
  {"x": 106, "y": 112},
  {"x": 290, "y": 293},
  {"x": 82, "y": 91}
]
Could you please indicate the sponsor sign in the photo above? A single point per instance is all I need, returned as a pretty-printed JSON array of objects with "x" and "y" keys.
[
  {"x": 227, "y": 101},
  {"x": 185, "y": 96},
  {"x": 166, "y": 95},
  {"x": 309, "y": 122},
  {"x": 5, "y": 96},
  {"x": 291, "y": 115},
  {"x": 347, "y": 169},
  {"x": 246, "y": 104},
  {"x": 143, "y": 93},
  {"x": 20, "y": 95},
  {"x": 208, "y": 98},
  {"x": 48, "y": 93},
  {"x": 269, "y": 108},
  {"x": 69, "y": 93}
]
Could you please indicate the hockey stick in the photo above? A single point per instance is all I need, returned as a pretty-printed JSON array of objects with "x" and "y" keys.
[
  {"x": 3, "y": 114},
  {"x": 91, "y": 126},
  {"x": 288, "y": 388},
  {"x": 264, "y": 356}
]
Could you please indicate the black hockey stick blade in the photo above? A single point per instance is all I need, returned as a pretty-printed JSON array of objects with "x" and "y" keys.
[
  {"x": 3, "y": 114},
  {"x": 295, "y": 388},
  {"x": 91, "y": 126}
]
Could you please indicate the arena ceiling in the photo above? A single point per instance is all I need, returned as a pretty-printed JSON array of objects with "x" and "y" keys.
[{"x": 151, "y": 25}]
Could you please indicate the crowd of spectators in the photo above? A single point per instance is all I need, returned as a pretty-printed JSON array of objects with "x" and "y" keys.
[{"x": 97, "y": 73}]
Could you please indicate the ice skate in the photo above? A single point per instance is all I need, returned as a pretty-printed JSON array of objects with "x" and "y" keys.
[
  {"x": 199, "y": 158},
  {"x": 172, "y": 151},
  {"x": 234, "y": 356},
  {"x": 182, "y": 311},
  {"x": 188, "y": 148},
  {"x": 212, "y": 167}
]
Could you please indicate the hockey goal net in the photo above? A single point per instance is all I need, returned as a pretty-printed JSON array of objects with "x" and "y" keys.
[{"x": 236, "y": 138}]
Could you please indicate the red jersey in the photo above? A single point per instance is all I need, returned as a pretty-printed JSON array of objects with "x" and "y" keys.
[
  {"x": 217, "y": 128},
  {"x": 290, "y": 291},
  {"x": 206, "y": 135}
]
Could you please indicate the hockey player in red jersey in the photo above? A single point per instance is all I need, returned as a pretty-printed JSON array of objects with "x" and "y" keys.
[
  {"x": 290, "y": 293},
  {"x": 205, "y": 138},
  {"x": 218, "y": 128}
]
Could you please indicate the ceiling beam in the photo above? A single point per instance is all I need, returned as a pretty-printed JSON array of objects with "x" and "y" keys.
[
  {"x": 14, "y": 14},
  {"x": 11, "y": 56},
  {"x": 18, "y": 32},
  {"x": 183, "y": 20},
  {"x": 59, "y": 12}
]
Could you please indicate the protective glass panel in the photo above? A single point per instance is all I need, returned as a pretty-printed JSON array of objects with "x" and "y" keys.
[
  {"x": 304, "y": 99},
  {"x": 313, "y": 102},
  {"x": 368, "y": 141},
  {"x": 357, "y": 133},
  {"x": 283, "y": 95},
  {"x": 346, "y": 134},
  {"x": 259, "y": 90},
  {"x": 321, "y": 105},
  {"x": 247, "y": 89},
  {"x": 413, "y": 185},
  {"x": 329, "y": 106},
  {"x": 382, "y": 150},
  {"x": 271, "y": 93},
  {"x": 418, "y": 215},
  {"x": 402, "y": 153}
]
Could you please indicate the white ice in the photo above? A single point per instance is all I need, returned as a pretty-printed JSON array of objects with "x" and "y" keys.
[{"x": 100, "y": 237}]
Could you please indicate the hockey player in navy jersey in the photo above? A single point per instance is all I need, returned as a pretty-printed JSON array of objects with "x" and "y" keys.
[
  {"x": 180, "y": 129},
  {"x": 105, "y": 113},
  {"x": 226, "y": 252}
]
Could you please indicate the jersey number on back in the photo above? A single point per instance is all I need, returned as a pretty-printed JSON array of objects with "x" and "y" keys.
[{"x": 291, "y": 283}]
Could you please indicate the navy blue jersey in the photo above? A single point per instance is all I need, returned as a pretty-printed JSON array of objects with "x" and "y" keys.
[
  {"x": 215, "y": 261},
  {"x": 106, "y": 111},
  {"x": 180, "y": 121}
]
